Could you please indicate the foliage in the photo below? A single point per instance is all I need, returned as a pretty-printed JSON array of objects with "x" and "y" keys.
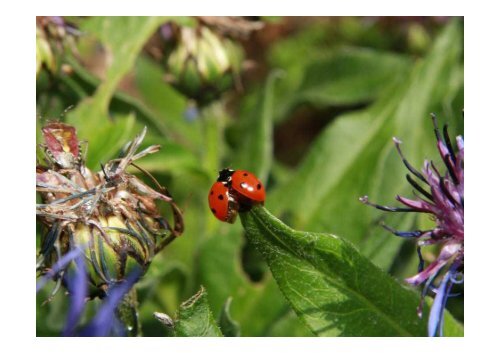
[
  {"x": 195, "y": 319},
  {"x": 334, "y": 289},
  {"x": 337, "y": 90}
]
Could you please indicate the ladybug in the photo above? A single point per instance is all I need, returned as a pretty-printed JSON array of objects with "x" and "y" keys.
[
  {"x": 222, "y": 203},
  {"x": 234, "y": 190},
  {"x": 244, "y": 184}
]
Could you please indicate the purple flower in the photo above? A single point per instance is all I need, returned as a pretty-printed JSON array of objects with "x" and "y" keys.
[
  {"x": 77, "y": 284},
  {"x": 442, "y": 196},
  {"x": 105, "y": 322},
  {"x": 58, "y": 267}
]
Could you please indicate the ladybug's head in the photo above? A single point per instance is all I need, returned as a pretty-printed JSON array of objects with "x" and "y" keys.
[{"x": 225, "y": 175}]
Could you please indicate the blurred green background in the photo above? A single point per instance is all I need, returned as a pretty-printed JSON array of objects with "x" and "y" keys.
[{"x": 312, "y": 111}]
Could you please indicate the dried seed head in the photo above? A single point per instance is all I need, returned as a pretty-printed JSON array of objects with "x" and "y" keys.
[{"x": 112, "y": 215}]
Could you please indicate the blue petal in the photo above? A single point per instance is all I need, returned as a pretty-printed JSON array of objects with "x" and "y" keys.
[
  {"x": 58, "y": 266},
  {"x": 435, "y": 323},
  {"x": 191, "y": 113},
  {"x": 78, "y": 288},
  {"x": 104, "y": 321}
]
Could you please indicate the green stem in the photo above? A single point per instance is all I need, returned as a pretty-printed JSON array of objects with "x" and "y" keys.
[
  {"x": 212, "y": 137},
  {"x": 128, "y": 314}
]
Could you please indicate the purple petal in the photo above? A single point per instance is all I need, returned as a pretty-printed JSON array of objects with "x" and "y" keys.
[
  {"x": 447, "y": 252},
  {"x": 418, "y": 205},
  {"x": 460, "y": 143},
  {"x": 421, "y": 277},
  {"x": 78, "y": 289},
  {"x": 58, "y": 266},
  {"x": 443, "y": 149},
  {"x": 105, "y": 319}
]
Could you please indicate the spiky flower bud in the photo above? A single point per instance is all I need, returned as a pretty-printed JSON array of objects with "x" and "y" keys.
[
  {"x": 202, "y": 65},
  {"x": 112, "y": 215}
]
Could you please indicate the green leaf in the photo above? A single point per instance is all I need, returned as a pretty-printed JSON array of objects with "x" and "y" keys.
[
  {"x": 124, "y": 37},
  {"x": 106, "y": 136},
  {"x": 331, "y": 73},
  {"x": 172, "y": 157},
  {"x": 187, "y": 21},
  {"x": 82, "y": 84},
  {"x": 331, "y": 286},
  {"x": 350, "y": 76},
  {"x": 256, "y": 146},
  {"x": 288, "y": 325},
  {"x": 228, "y": 326},
  {"x": 195, "y": 319},
  {"x": 168, "y": 105},
  {"x": 355, "y": 155},
  {"x": 212, "y": 119},
  {"x": 257, "y": 307}
]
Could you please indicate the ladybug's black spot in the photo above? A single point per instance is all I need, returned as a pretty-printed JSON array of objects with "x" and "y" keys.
[
  {"x": 245, "y": 174},
  {"x": 220, "y": 197},
  {"x": 213, "y": 210},
  {"x": 259, "y": 186}
]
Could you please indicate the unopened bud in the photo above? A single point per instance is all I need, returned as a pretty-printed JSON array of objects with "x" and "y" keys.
[{"x": 203, "y": 66}]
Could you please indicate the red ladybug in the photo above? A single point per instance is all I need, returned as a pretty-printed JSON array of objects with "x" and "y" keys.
[
  {"x": 243, "y": 183},
  {"x": 234, "y": 190},
  {"x": 221, "y": 203}
]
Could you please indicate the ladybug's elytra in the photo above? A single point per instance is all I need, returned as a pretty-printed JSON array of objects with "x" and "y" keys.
[
  {"x": 234, "y": 190},
  {"x": 222, "y": 203},
  {"x": 244, "y": 183}
]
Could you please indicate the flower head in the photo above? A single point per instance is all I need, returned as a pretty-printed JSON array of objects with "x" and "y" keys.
[
  {"x": 106, "y": 322},
  {"x": 99, "y": 228},
  {"x": 441, "y": 195},
  {"x": 202, "y": 65}
]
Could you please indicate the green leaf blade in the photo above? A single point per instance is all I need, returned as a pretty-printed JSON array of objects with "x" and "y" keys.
[
  {"x": 256, "y": 151},
  {"x": 257, "y": 307},
  {"x": 333, "y": 288},
  {"x": 229, "y": 327},
  {"x": 351, "y": 76},
  {"x": 91, "y": 116},
  {"x": 355, "y": 156},
  {"x": 195, "y": 318}
]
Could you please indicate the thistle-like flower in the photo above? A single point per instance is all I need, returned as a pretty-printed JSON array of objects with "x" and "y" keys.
[
  {"x": 442, "y": 196},
  {"x": 108, "y": 221}
]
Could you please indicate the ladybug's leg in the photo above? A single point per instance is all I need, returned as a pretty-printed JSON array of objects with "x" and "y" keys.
[{"x": 233, "y": 208}]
